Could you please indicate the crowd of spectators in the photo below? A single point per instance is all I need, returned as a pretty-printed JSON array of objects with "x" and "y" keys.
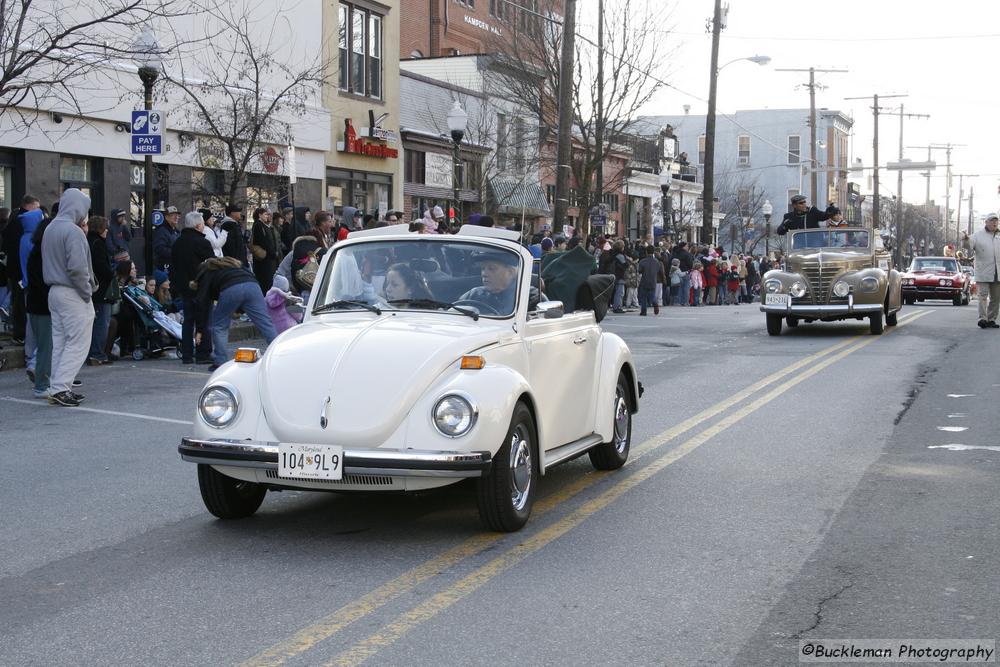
[{"x": 71, "y": 293}]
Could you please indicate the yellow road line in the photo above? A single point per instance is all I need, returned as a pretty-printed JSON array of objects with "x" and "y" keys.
[
  {"x": 306, "y": 638},
  {"x": 446, "y": 598}
]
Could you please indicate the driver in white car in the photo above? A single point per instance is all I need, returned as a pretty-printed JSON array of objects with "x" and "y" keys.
[{"x": 499, "y": 290}]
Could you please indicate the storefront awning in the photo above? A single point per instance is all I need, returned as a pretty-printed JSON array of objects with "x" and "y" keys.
[{"x": 517, "y": 198}]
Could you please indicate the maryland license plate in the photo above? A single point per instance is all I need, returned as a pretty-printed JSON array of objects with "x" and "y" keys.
[
  {"x": 300, "y": 461},
  {"x": 777, "y": 299}
]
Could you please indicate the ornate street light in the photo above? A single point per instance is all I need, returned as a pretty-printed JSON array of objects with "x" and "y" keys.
[
  {"x": 146, "y": 52},
  {"x": 457, "y": 121},
  {"x": 667, "y": 205},
  {"x": 767, "y": 210}
]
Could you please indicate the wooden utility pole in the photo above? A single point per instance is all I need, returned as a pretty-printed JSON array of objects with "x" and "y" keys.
[
  {"x": 812, "y": 125},
  {"x": 958, "y": 213},
  {"x": 876, "y": 204},
  {"x": 564, "y": 145},
  {"x": 899, "y": 184},
  {"x": 971, "y": 192},
  {"x": 708, "y": 186}
]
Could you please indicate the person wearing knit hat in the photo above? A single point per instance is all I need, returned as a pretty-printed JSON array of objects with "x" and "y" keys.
[{"x": 547, "y": 244}]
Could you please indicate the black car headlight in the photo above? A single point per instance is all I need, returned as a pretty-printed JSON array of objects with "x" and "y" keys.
[
  {"x": 868, "y": 284},
  {"x": 218, "y": 406}
]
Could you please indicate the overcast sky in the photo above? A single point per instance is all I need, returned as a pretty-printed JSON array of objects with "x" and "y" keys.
[{"x": 943, "y": 55}]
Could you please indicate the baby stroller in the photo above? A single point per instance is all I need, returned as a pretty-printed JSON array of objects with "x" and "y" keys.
[{"x": 156, "y": 332}]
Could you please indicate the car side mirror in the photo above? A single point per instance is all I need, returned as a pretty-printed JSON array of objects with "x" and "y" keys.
[{"x": 551, "y": 310}]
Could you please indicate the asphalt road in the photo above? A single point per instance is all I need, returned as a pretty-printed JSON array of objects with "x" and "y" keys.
[{"x": 779, "y": 489}]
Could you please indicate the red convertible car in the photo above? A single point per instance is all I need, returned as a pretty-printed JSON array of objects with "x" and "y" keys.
[{"x": 936, "y": 278}]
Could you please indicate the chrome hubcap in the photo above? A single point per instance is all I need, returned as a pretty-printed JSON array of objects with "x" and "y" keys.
[
  {"x": 621, "y": 423},
  {"x": 520, "y": 468}
]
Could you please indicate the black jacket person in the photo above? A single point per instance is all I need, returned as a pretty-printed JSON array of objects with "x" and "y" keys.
[{"x": 802, "y": 217}]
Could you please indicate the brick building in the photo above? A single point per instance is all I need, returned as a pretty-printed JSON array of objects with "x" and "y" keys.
[{"x": 431, "y": 28}]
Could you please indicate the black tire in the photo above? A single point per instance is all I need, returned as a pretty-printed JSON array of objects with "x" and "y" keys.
[
  {"x": 956, "y": 300},
  {"x": 507, "y": 492},
  {"x": 138, "y": 354},
  {"x": 909, "y": 300},
  {"x": 228, "y": 498},
  {"x": 876, "y": 323},
  {"x": 774, "y": 324},
  {"x": 612, "y": 455},
  {"x": 890, "y": 319},
  {"x": 792, "y": 322}
]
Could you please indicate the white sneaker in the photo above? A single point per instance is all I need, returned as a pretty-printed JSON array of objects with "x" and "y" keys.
[{"x": 44, "y": 393}]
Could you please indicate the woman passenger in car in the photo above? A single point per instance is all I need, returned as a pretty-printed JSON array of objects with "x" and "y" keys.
[{"x": 402, "y": 282}]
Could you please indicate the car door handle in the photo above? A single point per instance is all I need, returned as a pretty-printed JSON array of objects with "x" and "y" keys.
[{"x": 580, "y": 341}]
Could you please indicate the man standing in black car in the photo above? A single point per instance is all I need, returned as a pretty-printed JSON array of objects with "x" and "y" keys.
[
  {"x": 802, "y": 216},
  {"x": 188, "y": 252},
  {"x": 236, "y": 245}
]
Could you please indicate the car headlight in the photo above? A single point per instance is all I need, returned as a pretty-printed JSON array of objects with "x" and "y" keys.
[
  {"x": 908, "y": 281},
  {"x": 772, "y": 286},
  {"x": 218, "y": 406},
  {"x": 454, "y": 415},
  {"x": 797, "y": 290},
  {"x": 868, "y": 284},
  {"x": 944, "y": 283},
  {"x": 841, "y": 289}
]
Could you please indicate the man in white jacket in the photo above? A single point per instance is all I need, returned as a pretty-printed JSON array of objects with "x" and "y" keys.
[{"x": 985, "y": 245}]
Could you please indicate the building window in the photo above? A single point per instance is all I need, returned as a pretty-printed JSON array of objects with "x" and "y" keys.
[
  {"x": 794, "y": 152},
  {"x": 499, "y": 9},
  {"x": 414, "y": 167},
  {"x": 550, "y": 194},
  {"x": 6, "y": 181},
  {"x": 611, "y": 201},
  {"x": 81, "y": 173},
  {"x": 471, "y": 4},
  {"x": 701, "y": 149},
  {"x": 743, "y": 151},
  {"x": 360, "y": 43}
]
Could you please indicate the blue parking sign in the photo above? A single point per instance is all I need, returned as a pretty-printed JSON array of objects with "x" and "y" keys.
[
  {"x": 146, "y": 145},
  {"x": 147, "y": 132}
]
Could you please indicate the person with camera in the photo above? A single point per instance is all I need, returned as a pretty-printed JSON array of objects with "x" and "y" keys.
[{"x": 802, "y": 216}]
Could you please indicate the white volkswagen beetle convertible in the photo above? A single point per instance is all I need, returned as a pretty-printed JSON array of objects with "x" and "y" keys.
[{"x": 422, "y": 360}]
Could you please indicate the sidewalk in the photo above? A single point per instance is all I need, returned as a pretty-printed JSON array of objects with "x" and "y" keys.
[{"x": 12, "y": 356}]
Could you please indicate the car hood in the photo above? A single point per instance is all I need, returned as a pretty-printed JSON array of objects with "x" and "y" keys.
[
  {"x": 933, "y": 274},
  {"x": 827, "y": 258},
  {"x": 362, "y": 375}
]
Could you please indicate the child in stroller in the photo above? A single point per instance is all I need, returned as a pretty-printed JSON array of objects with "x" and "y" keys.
[{"x": 157, "y": 332}]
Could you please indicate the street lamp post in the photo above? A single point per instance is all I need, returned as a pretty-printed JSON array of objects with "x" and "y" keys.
[
  {"x": 667, "y": 204},
  {"x": 767, "y": 210},
  {"x": 708, "y": 180},
  {"x": 457, "y": 120},
  {"x": 147, "y": 57}
]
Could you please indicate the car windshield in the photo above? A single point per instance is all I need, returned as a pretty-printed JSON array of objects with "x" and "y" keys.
[
  {"x": 457, "y": 277},
  {"x": 830, "y": 239},
  {"x": 935, "y": 264}
]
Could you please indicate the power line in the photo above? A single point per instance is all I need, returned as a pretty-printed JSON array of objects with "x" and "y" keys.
[{"x": 911, "y": 38}]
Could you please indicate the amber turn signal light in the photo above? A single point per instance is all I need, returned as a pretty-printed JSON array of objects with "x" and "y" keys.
[
  {"x": 473, "y": 363},
  {"x": 247, "y": 355}
]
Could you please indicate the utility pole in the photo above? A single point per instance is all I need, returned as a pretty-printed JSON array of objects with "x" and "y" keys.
[
  {"x": 708, "y": 185},
  {"x": 599, "y": 138},
  {"x": 958, "y": 213},
  {"x": 971, "y": 191},
  {"x": 899, "y": 184},
  {"x": 876, "y": 204},
  {"x": 812, "y": 124},
  {"x": 564, "y": 145}
]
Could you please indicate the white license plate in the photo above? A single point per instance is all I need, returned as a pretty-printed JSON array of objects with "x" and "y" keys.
[
  {"x": 776, "y": 299},
  {"x": 310, "y": 461}
]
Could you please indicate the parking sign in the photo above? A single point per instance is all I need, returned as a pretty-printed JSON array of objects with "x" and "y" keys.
[{"x": 147, "y": 132}]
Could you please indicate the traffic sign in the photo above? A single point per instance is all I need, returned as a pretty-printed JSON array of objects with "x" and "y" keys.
[
  {"x": 147, "y": 132},
  {"x": 157, "y": 218}
]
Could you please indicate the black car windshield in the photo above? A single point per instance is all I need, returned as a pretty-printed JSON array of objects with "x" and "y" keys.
[
  {"x": 935, "y": 264},
  {"x": 457, "y": 277},
  {"x": 829, "y": 238}
]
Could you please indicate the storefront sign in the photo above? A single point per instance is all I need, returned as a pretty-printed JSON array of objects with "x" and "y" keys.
[
  {"x": 437, "y": 170},
  {"x": 483, "y": 25},
  {"x": 211, "y": 153},
  {"x": 375, "y": 129},
  {"x": 354, "y": 144},
  {"x": 271, "y": 160}
]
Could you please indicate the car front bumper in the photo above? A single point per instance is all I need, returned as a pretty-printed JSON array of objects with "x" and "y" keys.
[
  {"x": 822, "y": 311},
  {"x": 932, "y": 291},
  {"x": 400, "y": 463}
]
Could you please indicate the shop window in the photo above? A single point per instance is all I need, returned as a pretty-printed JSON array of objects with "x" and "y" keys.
[
  {"x": 743, "y": 150},
  {"x": 208, "y": 187},
  {"x": 83, "y": 174},
  {"x": 360, "y": 50},
  {"x": 415, "y": 166}
]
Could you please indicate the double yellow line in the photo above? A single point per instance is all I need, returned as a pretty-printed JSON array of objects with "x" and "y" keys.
[{"x": 308, "y": 637}]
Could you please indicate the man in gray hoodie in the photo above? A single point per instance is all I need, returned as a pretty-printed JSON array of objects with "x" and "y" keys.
[{"x": 67, "y": 271}]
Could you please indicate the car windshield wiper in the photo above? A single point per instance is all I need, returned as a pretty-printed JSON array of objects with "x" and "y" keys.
[
  {"x": 345, "y": 303},
  {"x": 431, "y": 303}
]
